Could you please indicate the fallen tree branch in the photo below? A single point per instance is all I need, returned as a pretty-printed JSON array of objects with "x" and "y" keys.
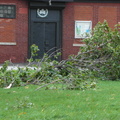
[{"x": 48, "y": 84}]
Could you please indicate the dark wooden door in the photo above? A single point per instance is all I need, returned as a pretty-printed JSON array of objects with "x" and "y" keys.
[
  {"x": 44, "y": 36},
  {"x": 45, "y": 32}
]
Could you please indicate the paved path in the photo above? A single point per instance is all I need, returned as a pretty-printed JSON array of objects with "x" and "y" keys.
[{"x": 15, "y": 66}]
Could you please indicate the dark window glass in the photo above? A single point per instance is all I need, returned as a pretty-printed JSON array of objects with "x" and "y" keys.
[{"x": 7, "y": 11}]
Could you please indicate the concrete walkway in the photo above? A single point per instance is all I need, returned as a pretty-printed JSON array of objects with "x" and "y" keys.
[{"x": 16, "y": 65}]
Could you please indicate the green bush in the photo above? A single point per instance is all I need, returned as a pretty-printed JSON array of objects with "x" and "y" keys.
[{"x": 104, "y": 46}]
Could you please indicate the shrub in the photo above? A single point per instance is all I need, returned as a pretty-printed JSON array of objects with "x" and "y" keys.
[{"x": 104, "y": 46}]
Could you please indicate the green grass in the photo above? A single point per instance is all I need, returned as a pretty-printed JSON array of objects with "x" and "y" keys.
[{"x": 24, "y": 103}]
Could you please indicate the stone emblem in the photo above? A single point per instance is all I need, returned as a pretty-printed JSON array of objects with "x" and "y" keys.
[{"x": 42, "y": 12}]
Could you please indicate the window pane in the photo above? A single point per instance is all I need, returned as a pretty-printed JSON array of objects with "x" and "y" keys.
[
  {"x": 9, "y": 7},
  {"x": 5, "y": 11},
  {"x": 1, "y": 11},
  {"x": 9, "y": 11},
  {"x": 1, "y": 7},
  {"x": 1, "y": 15}
]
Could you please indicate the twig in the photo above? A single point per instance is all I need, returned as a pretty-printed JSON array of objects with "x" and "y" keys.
[{"x": 48, "y": 84}]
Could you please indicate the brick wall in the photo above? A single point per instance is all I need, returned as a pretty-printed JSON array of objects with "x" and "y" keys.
[
  {"x": 85, "y": 12},
  {"x": 7, "y": 27},
  {"x": 15, "y": 32}
]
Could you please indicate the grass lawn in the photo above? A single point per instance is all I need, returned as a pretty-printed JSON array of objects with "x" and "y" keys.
[{"x": 24, "y": 103}]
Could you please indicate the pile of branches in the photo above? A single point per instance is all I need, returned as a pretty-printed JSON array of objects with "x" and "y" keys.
[{"x": 99, "y": 58}]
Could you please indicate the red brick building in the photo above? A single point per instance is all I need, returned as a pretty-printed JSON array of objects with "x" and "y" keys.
[{"x": 48, "y": 24}]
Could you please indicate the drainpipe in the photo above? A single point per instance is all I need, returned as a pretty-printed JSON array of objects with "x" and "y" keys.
[{"x": 50, "y": 2}]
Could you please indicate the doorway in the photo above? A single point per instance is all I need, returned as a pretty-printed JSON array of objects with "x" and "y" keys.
[{"x": 45, "y": 30}]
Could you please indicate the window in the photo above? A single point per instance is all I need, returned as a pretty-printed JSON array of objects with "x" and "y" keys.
[
  {"x": 7, "y": 11},
  {"x": 83, "y": 29}
]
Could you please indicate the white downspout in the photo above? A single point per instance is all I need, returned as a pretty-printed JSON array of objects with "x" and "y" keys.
[{"x": 50, "y": 2}]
